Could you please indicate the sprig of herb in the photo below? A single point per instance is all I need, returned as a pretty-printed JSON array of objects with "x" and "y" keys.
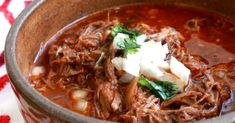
[
  {"x": 161, "y": 89},
  {"x": 120, "y": 29},
  {"x": 128, "y": 45}
]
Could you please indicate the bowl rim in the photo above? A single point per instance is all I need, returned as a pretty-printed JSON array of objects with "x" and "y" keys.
[
  {"x": 42, "y": 102},
  {"x": 23, "y": 85}
]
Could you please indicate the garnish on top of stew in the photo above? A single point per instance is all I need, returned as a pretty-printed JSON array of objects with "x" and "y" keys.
[{"x": 141, "y": 63}]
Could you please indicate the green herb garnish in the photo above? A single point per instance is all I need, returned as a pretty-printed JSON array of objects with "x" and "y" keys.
[
  {"x": 162, "y": 89},
  {"x": 120, "y": 29},
  {"x": 129, "y": 45}
]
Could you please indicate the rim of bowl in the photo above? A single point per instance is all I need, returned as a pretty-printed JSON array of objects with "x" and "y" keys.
[
  {"x": 22, "y": 84},
  {"x": 42, "y": 102}
]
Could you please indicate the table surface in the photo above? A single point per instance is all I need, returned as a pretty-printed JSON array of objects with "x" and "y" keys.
[{"x": 9, "y": 110}]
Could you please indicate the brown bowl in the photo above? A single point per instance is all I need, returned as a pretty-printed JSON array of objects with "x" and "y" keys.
[{"x": 41, "y": 20}]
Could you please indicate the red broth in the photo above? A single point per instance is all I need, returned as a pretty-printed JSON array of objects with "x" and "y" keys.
[{"x": 214, "y": 40}]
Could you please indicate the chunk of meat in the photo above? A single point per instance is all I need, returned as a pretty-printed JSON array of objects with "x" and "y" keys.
[
  {"x": 108, "y": 98},
  {"x": 130, "y": 93},
  {"x": 95, "y": 34},
  {"x": 187, "y": 98},
  {"x": 109, "y": 67}
]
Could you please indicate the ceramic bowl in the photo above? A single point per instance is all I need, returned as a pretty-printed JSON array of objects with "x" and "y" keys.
[{"x": 40, "y": 21}]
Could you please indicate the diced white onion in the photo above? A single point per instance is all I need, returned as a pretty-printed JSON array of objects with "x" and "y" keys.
[
  {"x": 155, "y": 53},
  {"x": 141, "y": 39},
  {"x": 78, "y": 94},
  {"x": 147, "y": 61},
  {"x": 118, "y": 62},
  {"x": 131, "y": 64},
  {"x": 150, "y": 70},
  {"x": 150, "y": 59},
  {"x": 119, "y": 40},
  {"x": 150, "y": 51},
  {"x": 80, "y": 105},
  {"x": 173, "y": 78},
  {"x": 131, "y": 67},
  {"x": 37, "y": 70},
  {"x": 165, "y": 49},
  {"x": 179, "y": 69}
]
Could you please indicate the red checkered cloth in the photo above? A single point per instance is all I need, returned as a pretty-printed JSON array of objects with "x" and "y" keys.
[{"x": 9, "y": 110}]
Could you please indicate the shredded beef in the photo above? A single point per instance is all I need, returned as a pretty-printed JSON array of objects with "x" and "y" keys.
[{"x": 72, "y": 64}]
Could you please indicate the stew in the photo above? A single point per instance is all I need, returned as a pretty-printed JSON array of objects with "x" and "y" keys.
[{"x": 141, "y": 63}]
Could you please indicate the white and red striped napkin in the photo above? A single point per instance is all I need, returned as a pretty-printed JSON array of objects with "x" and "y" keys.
[{"x": 9, "y": 110}]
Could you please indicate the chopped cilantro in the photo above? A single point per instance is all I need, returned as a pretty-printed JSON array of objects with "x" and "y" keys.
[
  {"x": 128, "y": 45},
  {"x": 162, "y": 89},
  {"x": 120, "y": 29}
]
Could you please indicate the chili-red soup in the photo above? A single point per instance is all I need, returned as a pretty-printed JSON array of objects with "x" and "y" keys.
[{"x": 79, "y": 68}]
